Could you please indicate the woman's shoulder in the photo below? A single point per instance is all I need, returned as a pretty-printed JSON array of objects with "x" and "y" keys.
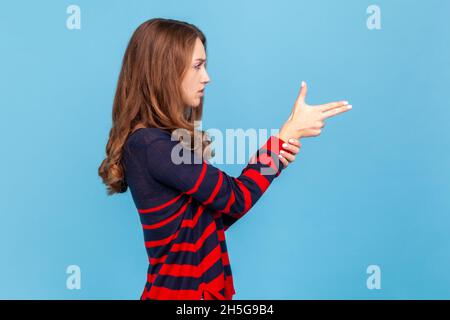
[{"x": 144, "y": 136}]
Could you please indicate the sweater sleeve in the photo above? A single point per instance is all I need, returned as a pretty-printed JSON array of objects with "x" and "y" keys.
[{"x": 231, "y": 196}]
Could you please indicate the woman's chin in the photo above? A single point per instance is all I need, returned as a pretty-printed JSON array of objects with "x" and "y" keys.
[{"x": 197, "y": 103}]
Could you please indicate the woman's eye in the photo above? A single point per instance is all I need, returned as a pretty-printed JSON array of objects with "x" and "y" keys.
[{"x": 197, "y": 67}]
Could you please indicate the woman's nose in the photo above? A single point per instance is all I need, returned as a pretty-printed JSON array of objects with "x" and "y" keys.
[{"x": 206, "y": 78}]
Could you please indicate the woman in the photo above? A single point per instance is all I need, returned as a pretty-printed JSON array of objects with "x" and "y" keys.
[{"x": 185, "y": 208}]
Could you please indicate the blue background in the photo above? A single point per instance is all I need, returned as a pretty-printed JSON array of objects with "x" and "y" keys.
[{"x": 373, "y": 188}]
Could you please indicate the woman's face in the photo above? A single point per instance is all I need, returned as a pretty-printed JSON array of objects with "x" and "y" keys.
[{"x": 196, "y": 77}]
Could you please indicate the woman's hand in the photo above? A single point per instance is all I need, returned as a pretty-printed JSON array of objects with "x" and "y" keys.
[
  {"x": 306, "y": 120},
  {"x": 293, "y": 147}
]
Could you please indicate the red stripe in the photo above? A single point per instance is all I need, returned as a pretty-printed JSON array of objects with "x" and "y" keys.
[
  {"x": 144, "y": 294},
  {"x": 162, "y": 293},
  {"x": 216, "y": 189},
  {"x": 205, "y": 235},
  {"x": 194, "y": 247},
  {"x": 182, "y": 246},
  {"x": 229, "y": 287},
  {"x": 187, "y": 223},
  {"x": 225, "y": 259},
  {"x": 160, "y": 206},
  {"x": 221, "y": 235},
  {"x": 264, "y": 158},
  {"x": 212, "y": 288},
  {"x": 212, "y": 295},
  {"x": 199, "y": 180},
  {"x": 246, "y": 193},
  {"x": 259, "y": 179},
  {"x": 230, "y": 202},
  {"x": 169, "y": 219},
  {"x": 188, "y": 270},
  {"x": 274, "y": 144},
  {"x": 157, "y": 243},
  {"x": 211, "y": 291},
  {"x": 151, "y": 277},
  {"x": 154, "y": 261},
  {"x": 191, "y": 223}
]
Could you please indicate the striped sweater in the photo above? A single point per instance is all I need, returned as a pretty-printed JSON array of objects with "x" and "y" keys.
[{"x": 185, "y": 210}]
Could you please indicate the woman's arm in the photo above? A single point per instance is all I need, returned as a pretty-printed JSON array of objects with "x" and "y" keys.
[
  {"x": 229, "y": 195},
  {"x": 210, "y": 186}
]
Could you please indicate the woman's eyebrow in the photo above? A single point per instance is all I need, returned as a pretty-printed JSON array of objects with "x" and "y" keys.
[{"x": 200, "y": 59}]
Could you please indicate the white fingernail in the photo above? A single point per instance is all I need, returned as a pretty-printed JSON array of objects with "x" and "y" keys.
[
  {"x": 280, "y": 156},
  {"x": 345, "y": 102},
  {"x": 303, "y": 83},
  {"x": 284, "y": 145},
  {"x": 349, "y": 106},
  {"x": 281, "y": 151},
  {"x": 291, "y": 140}
]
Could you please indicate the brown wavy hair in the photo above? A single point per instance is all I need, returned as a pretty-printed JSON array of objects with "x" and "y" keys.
[{"x": 149, "y": 93}]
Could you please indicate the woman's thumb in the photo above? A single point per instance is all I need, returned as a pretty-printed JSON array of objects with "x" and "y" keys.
[{"x": 303, "y": 91}]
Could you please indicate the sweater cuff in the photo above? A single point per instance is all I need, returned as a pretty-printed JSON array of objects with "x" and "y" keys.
[{"x": 274, "y": 146}]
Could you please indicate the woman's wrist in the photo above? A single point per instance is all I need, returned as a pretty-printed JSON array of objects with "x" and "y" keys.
[{"x": 288, "y": 131}]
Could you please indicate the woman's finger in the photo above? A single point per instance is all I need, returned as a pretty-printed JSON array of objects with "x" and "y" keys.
[
  {"x": 289, "y": 157},
  {"x": 295, "y": 142},
  {"x": 335, "y": 111},
  {"x": 291, "y": 148},
  {"x": 332, "y": 105},
  {"x": 283, "y": 160},
  {"x": 302, "y": 94}
]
